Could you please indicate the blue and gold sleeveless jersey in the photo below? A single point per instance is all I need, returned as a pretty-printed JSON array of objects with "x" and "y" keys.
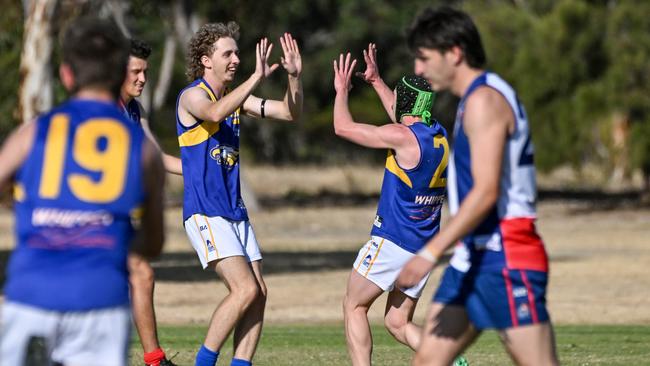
[
  {"x": 131, "y": 110},
  {"x": 411, "y": 200},
  {"x": 210, "y": 157},
  {"x": 74, "y": 197}
]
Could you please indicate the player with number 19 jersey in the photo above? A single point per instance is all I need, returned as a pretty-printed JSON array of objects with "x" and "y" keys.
[{"x": 74, "y": 211}]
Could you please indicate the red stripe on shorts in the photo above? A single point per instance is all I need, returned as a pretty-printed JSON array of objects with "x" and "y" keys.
[
  {"x": 511, "y": 299},
  {"x": 531, "y": 297}
]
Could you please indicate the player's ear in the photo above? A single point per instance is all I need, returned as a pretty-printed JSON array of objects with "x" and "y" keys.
[
  {"x": 456, "y": 54},
  {"x": 67, "y": 77},
  {"x": 205, "y": 60}
]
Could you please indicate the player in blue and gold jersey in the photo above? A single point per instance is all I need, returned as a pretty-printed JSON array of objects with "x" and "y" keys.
[
  {"x": 141, "y": 274},
  {"x": 412, "y": 195},
  {"x": 214, "y": 214},
  {"x": 87, "y": 190}
]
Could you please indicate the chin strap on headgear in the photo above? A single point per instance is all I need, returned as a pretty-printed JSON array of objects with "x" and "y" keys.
[{"x": 414, "y": 98}]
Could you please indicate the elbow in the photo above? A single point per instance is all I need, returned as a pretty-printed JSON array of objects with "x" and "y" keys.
[{"x": 340, "y": 131}]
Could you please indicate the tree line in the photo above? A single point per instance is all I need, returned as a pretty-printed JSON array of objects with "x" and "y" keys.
[{"x": 580, "y": 66}]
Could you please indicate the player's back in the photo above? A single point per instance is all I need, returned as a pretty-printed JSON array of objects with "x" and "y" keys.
[
  {"x": 411, "y": 200},
  {"x": 75, "y": 196}
]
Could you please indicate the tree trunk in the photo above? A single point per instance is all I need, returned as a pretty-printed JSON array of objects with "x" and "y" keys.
[{"x": 35, "y": 88}]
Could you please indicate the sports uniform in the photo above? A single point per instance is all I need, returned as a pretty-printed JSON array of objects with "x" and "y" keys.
[
  {"x": 409, "y": 210},
  {"x": 76, "y": 194},
  {"x": 214, "y": 215},
  {"x": 499, "y": 271}
]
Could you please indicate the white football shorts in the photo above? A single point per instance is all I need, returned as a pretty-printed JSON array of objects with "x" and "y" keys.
[
  {"x": 96, "y": 337},
  {"x": 380, "y": 261},
  {"x": 216, "y": 238}
]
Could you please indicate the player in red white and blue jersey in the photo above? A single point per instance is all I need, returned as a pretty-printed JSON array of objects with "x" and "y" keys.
[
  {"x": 87, "y": 191},
  {"x": 410, "y": 203},
  {"x": 498, "y": 275}
]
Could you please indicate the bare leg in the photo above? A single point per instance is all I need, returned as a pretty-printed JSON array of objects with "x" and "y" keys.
[
  {"x": 238, "y": 278},
  {"x": 249, "y": 328},
  {"x": 447, "y": 332},
  {"x": 361, "y": 293},
  {"x": 141, "y": 278},
  {"x": 531, "y": 345},
  {"x": 398, "y": 319}
]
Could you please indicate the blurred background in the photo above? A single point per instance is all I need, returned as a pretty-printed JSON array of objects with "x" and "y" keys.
[{"x": 580, "y": 66}]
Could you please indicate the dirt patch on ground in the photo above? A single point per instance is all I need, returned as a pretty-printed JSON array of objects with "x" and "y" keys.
[{"x": 599, "y": 262}]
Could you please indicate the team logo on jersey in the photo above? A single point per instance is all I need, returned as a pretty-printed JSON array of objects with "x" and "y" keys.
[{"x": 225, "y": 155}]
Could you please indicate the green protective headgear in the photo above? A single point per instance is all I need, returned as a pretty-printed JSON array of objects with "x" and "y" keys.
[{"x": 414, "y": 98}]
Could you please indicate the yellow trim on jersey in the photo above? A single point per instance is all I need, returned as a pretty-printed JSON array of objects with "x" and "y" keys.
[
  {"x": 375, "y": 258},
  {"x": 198, "y": 134},
  {"x": 207, "y": 90},
  {"x": 203, "y": 131},
  {"x": 391, "y": 165},
  {"x": 19, "y": 192}
]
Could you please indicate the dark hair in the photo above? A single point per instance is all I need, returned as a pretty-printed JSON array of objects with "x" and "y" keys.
[
  {"x": 97, "y": 53},
  {"x": 140, "y": 49},
  {"x": 445, "y": 27},
  {"x": 202, "y": 43}
]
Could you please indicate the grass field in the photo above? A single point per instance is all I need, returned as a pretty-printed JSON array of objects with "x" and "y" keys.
[{"x": 286, "y": 345}]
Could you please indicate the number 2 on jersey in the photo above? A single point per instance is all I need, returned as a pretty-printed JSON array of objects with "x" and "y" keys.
[
  {"x": 111, "y": 162},
  {"x": 438, "y": 181}
]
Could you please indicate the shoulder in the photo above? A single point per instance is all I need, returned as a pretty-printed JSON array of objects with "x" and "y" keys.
[
  {"x": 396, "y": 134},
  {"x": 193, "y": 93},
  {"x": 486, "y": 98},
  {"x": 486, "y": 104}
]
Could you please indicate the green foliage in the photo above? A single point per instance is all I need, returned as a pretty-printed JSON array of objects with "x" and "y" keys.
[
  {"x": 11, "y": 20},
  {"x": 575, "y": 64}
]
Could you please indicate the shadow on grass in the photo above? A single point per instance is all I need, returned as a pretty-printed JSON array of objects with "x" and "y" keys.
[{"x": 185, "y": 267}]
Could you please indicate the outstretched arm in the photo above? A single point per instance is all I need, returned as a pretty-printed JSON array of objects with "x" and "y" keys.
[
  {"x": 391, "y": 136},
  {"x": 290, "y": 108},
  {"x": 371, "y": 76},
  {"x": 194, "y": 101}
]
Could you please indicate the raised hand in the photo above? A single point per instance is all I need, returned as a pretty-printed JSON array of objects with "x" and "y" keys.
[
  {"x": 262, "y": 51},
  {"x": 343, "y": 73},
  {"x": 372, "y": 71},
  {"x": 291, "y": 60}
]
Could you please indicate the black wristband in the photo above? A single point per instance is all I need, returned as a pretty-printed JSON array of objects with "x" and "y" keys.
[{"x": 262, "y": 108}]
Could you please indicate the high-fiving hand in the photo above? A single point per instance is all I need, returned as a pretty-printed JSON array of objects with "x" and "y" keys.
[
  {"x": 291, "y": 61},
  {"x": 372, "y": 71},
  {"x": 262, "y": 52},
  {"x": 343, "y": 73}
]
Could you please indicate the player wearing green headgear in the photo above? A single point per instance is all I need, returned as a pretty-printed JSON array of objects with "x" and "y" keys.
[
  {"x": 414, "y": 98},
  {"x": 408, "y": 213}
]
